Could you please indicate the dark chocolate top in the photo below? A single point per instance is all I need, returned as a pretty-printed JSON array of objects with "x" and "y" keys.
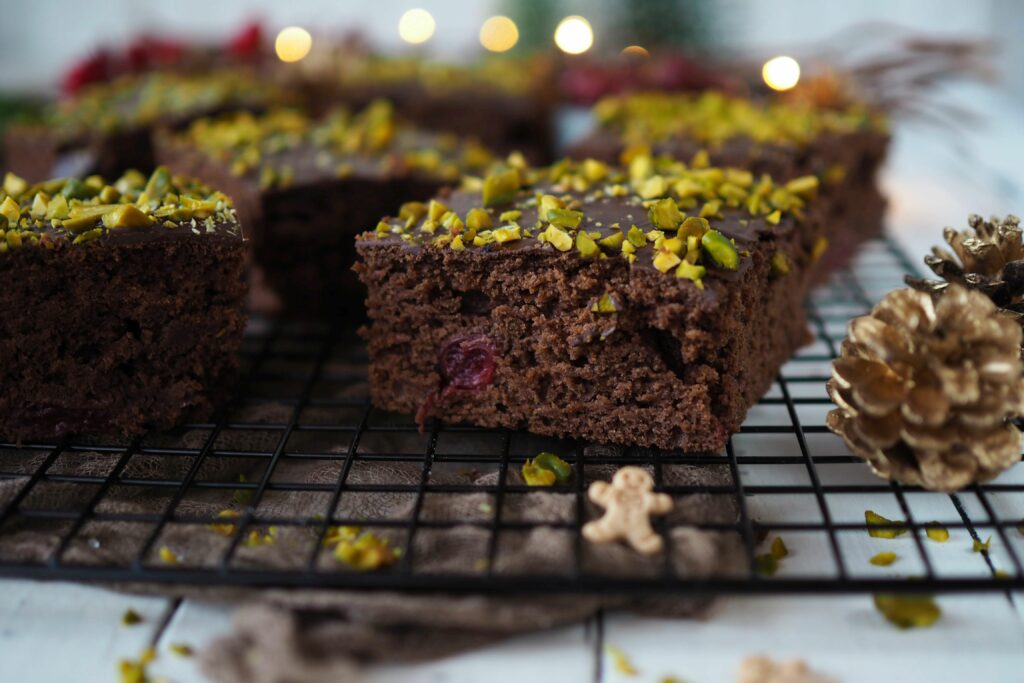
[
  {"x": 283, "y": 146},
  {"x": 684, "y": 221},
  {"x": 713, "y": 118},
  {"x": 143, "y": 100},
  {"x": 131, "y": 209}
]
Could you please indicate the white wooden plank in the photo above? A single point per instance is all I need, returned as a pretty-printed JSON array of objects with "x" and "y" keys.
[
  {"x": 978, "y": 638},
  {"x": 67, "y": 632}
]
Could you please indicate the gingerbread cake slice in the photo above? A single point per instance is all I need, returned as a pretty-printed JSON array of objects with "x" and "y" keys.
[
  {"x": 651, "y": 306},
  {"x": 122, "y": 307},
  {"x": 304, "y": 187},
  {"x": 842, "y": 146},
  {"x": 108, "y": 128}
]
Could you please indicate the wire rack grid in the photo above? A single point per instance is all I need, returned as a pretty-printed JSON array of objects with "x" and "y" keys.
[{"x": 302, "y": 449}]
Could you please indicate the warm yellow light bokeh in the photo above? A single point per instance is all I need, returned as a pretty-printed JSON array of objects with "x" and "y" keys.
[
  {"x": 574, "y": 35},
  {"x": 781, "y": 73},
  {"x": 416, "y": 26},
  {"x": 635, "y": 51},
  {"x": 292, "y": 44},
  {"x": 499, "y": 34}
]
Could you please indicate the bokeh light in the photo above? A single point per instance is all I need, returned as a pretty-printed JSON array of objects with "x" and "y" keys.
[
  {"x": 292, "y": 44},
  {"x": 499, "y": 34},
  {"x": 416, "y": 26},
  {"x": 574, "y": 35},
  {"x": 636, "y": 51},
  {"x": 781, "y": 73}
]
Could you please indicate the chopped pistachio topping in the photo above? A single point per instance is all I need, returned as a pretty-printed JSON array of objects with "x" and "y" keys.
[
  {"x": 780, "y": 263},
  {"x": 981, "y": 546},
  {"x": 131, "y": 618},
  {"x": 894, "y": 530},
  {"x": 908, "y": 611},
  {"x": 713, "y": 118},
  {"x": 606, "y": 304},
  {"x": 883, "y": 559},
  {"x": 83, "y": 211},
  {"x": 683, "y": 221},
  {"x": 546, "y": 469},
  {"x": 167, "y": 556},
  {"x": 279, "y": 145}
]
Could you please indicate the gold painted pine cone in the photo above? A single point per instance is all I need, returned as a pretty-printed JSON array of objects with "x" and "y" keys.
[
  {"x": 926, "y": 388},
  {"x": 988, "y": 256}
]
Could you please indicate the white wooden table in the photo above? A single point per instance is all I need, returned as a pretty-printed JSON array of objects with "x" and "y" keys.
[{"x": 55, "y": 633}]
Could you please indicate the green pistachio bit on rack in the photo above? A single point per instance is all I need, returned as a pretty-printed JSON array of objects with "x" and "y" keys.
[
  {"x": 126, "y": 216},
  {"x": 181, "y": 649},
  {"x": 692, "y": 272},
  {"x": 586, "y": 246},
  {"x": 501, "y": 186},
  {"x": 368, "y": 552},
  {"x": 534, "y": 475},
  {"x": 779, "y": 549},
  {"x": 605, "y": 304},
  {"x": 908, "y": 611},
  {"x": 937, "y": 532},
  {"x": 874, "y": 519},
  {"x": 981, "y": 546},
  {"x": 883, "y": 559},
  {"x": 550, "y": 461},
  {"x": 780, "y": 263},
  {"x": 242, "y": 496},
  {"x": 565, "y": 218},
  {"x": 167, "y": 556},
  {"x": 766, "y": 564},
  {"x": 131, "y": 618},
  {"x": 621, "y": 662},
  {"x": 720, "y": 249}
]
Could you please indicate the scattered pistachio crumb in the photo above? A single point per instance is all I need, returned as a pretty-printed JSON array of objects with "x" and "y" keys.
[
  {"x": 979, "y": 546},
  {"x": 884, "y": 559},
  {"x": 908, "y": 611},
  {"x": 546, "y": 469},
  {"x": 874, "y": 519},
  {"x": 937, "y": 532},
  {"x": 181, "y": 649},
  {"x": 167, "y": 555},
  {"x": 367, "y": 552},
  {"x": 621, "y": 662},
  {"x": 131, "y": 618}
]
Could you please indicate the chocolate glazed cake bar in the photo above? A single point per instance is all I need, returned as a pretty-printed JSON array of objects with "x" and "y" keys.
[
  {"x": 304, "y": 188},
  {"x": 652, "y": 307},
  {"x": 108, "y": 128},
  {"x": 122, "y": 307},
  {"x": 844, "y": 148}
]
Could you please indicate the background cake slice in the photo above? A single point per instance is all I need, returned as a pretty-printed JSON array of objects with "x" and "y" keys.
[
  {"x": 304, "y": 187},
  {"x": 652, "y": 307},
  {"x": 122, "y": 307}
]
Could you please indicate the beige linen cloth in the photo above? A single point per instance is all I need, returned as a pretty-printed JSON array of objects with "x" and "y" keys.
[{"x": 286, "y": 636}]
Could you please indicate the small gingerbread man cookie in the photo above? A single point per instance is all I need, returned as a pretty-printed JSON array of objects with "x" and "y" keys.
[{"x": 628, "y": 502}]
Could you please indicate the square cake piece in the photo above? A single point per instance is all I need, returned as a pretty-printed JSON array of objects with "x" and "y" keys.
[
  {"x": 651, "y": 307},
  {"x": 843, "y": 147},
  {"x": 304, "y": 188},
  {"x": 122, "y": 307},
  {"x": 108, "y": 128}
]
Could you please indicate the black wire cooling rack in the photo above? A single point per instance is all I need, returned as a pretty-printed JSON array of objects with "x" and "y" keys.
[{"x": 303, "y": 408}]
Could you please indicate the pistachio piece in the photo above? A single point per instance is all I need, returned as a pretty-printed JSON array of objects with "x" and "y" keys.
[
  {"x": 874, "y": 519},
  {"x": 39, "y": 204},
  {"x": 804, "y": 186},
  {"x": 586, "y": 246},
  {"x": 720, "y": 249},
  {"x": 692, "y": 272},
  {"x": 508, "y": 233},
  {"x": 10, "y": 210},
  {"x": 501, "y": 186},
  {"x": 126, "y": 216},
  {"x": 435, "y": 210},
  {"x": 613, "y": 241},
  {"x": 773, "y": 218},
  {"x": 510, "y": 216},
  {"x": 158, "y": 185},
  {"x": 665, "y": 260},
  {"x": 557, "y": 238},
  {"x": 653, "y": 187},
  {"x": 780, "y": 263},
  {"x": 605, "y": 304},
  {"x": 693, "y": 226},
  {"x": 883, "y": 559},
  {"x": 412, "y": 212},
  {"x": 636, "y": 237},
  {"x": 14, "y": 185},
  {"x": 819, "y": 249},
  {"x": 565, "y": 218},
  {"x": 76, "y": 189},
  {"x": 665, "y": 214},
  {"x": 478, "y": 219},
  {"x": 57, "y": 208},
  {"x": 457, "y": 243}
]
